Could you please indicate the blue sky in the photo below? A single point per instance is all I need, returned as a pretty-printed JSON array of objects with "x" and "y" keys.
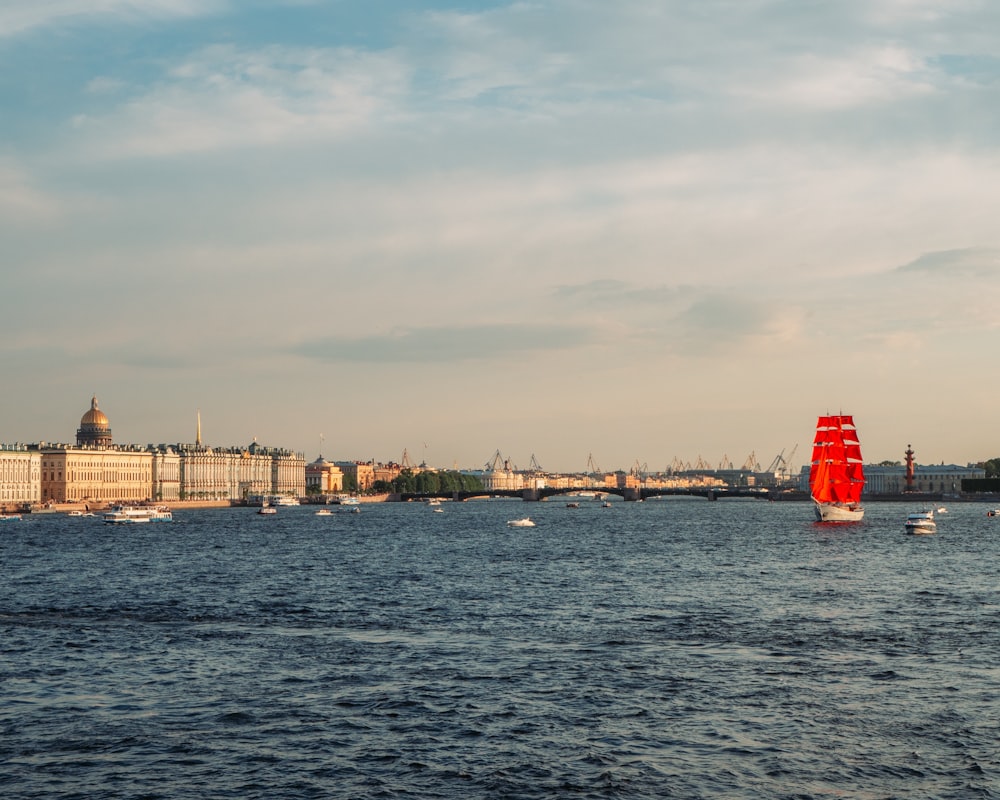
[{"x": 639, "y": 230}]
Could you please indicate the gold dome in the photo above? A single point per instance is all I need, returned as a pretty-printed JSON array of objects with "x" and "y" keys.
[{"x": 95, "y": 418}]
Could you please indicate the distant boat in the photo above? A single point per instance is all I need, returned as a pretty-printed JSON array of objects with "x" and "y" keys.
[
  {"x": 993, "y": 512},
  {"x": 267, "y": 509},
  {"x": 572, "y": 505},
  {"x": 136, "y": 514},
  {"x": 324, "y": 512},
  {"x": 920, "y": 522},
  {"x": 524, "y": 522},
  {"x": 836, "y": 476},
  {"x": 9, "y": 517},
  {"x": 283, "y": 500}
]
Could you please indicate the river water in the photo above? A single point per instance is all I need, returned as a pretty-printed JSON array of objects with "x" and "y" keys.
[{"x": 676, "y": 648}]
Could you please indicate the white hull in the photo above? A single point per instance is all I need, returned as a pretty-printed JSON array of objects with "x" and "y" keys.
[
  {"x": 921, "y": 522},
  {"x": 921, "y": 528},
  {"x": 831, "y": 512},
  {"x": 133, "y": 515}
]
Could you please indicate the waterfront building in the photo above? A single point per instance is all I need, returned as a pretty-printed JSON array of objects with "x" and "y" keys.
[
  {"x": 502, "y": 478},
  {"x": 236, "y": 473},
  {"x": 361, "y": 473},
  {"x": 95, "y": 475},
  {"x": 97, "y": 471},
  {"x": 929, "y": 478},
  {"x": 892, "y": 479},
  {"x": 387, "y": 473},
  {"x": 20, "y": 476},
  {"x": 323, "y": 477},
  {"x": 166, "y": 473}
]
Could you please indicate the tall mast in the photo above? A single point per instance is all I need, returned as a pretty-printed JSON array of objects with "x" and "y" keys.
[{"x": 197, "y": 435}]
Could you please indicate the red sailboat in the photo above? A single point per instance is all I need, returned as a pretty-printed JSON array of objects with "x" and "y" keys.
[{"x": 836, "y": 475}]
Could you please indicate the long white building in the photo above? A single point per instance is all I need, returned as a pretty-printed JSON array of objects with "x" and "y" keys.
[{"x": 96, "y": 471}]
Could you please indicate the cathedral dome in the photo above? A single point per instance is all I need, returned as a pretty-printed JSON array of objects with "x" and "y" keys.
[
  {"x": 95, "y": 418},
  {"x": 94, "y": 430}
]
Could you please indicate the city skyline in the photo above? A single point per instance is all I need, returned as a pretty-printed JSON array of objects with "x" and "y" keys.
[
  {"x": 561, "y": 229},
  {"x": 786, "y": 461}
]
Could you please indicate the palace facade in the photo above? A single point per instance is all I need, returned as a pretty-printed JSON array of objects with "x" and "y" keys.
[{"x": 96, "y": 471}]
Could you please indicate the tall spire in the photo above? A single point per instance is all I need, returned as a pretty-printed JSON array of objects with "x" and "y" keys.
[{"x": 197, "y": 436}]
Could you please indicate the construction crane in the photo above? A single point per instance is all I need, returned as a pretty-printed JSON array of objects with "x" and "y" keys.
[
  {"x": 751, "y": 464},
  {"x": 702, "y": 465},
  {"x": 499, "y": 464},
  {"x": 725, "y": 463},
  {"x": 776, "y": 465},
  {"x": 781, "y": 467},
  {"x": 534, "y": 466}
]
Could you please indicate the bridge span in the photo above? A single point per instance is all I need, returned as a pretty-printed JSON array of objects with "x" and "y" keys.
[{"x": 628, "y": 494}]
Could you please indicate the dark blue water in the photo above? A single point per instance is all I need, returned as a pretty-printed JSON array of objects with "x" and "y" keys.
[{"x": 666, "y": 649}]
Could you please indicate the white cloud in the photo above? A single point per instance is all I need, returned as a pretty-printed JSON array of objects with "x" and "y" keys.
[
  {"x": 20, "y": 16},
  {"x": 224, "y": 96}
]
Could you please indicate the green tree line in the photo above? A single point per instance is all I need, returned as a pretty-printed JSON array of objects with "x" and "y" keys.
[
  {"x": 992, "y": 468},
  {"x": 430, "y": 482}
]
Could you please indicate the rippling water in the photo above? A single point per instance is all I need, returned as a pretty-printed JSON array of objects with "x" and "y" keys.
[{"x": 665, "y": 649}]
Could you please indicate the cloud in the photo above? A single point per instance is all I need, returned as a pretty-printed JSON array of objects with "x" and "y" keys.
[
  {"x": 449, "y": 344},
  {"x": 225, "y": 96},
  {"x": 962, "y": 262},
  {"x": 20, "y": 16}
]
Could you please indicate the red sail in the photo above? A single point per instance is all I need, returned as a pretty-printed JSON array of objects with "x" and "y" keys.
[{"x": 836, "y": 474}]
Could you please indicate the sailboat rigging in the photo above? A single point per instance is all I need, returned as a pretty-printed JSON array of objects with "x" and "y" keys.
[{"x": 836, "y": 475}]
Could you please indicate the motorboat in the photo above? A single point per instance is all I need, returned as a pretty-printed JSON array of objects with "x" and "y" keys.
[
  {"x": 9, "y": 517},
  {"x": 324, "y": 512},
  {"x": 524, "y": 522},
  {"x": 267, "y": 509},
  {"x": 131, "y": 515},
  {"x": 993, "y": 512},
  {"x": 920, "y": 522}
]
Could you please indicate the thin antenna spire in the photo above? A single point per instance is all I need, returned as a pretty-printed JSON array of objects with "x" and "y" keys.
[{"x": 197, "y": 436}]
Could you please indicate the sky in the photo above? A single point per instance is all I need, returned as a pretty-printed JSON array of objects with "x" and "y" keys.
[{"x": 633, "y": 233}]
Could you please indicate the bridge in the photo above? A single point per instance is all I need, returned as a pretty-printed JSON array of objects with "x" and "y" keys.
[{"x": 627, "y": 494}]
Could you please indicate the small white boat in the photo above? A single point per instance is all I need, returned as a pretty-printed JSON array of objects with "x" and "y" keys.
[
  {"x": 920, "y": 522},
  {"x": 524, "y": 522},
  {"x": 324, "y": 512},
  {"x": 9, "y": 517},
  {"x": 267, "y": 509},
  {"x": 131, "y": 515}
]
